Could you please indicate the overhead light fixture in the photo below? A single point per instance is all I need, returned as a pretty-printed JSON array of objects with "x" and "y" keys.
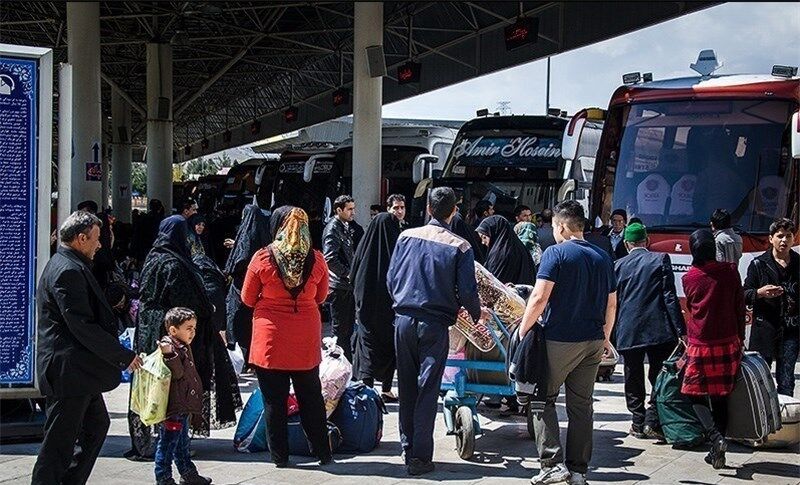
[
  {"x": 482, "y": 112},
  {"x": 522, "y": 32},
  {"x": 290, "y": 115},
  {"x": 647, "y": 77},
  {"x": 410, "y": 72},
  {"x": 341, "y": 97}
]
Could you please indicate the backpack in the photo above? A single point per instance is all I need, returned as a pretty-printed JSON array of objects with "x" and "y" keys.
[
  {"x": 359, "y": 417},
  {"x": 251, "y": 432},
  {"x": 679, "y": 422}
]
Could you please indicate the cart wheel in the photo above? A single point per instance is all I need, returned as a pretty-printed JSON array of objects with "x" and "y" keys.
[
  {"x": 465, "y": 433},
  {"x": 529, "y": 422}
]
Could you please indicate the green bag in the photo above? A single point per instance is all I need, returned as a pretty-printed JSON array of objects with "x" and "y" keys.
[
  {"x": 679, "y": 422},
  {"x": 150, "y": 389}
]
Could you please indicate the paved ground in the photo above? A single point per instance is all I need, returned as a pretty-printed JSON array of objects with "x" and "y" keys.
[{"x": 505, "y": 454}]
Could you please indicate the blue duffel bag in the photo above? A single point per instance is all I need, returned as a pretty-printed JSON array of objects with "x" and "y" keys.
[
  {"x": 251, "y": 432},
  {"x": 359, "y": 417}
]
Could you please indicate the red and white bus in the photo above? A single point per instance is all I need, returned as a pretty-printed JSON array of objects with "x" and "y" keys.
[{"x": 672, "y": 151}]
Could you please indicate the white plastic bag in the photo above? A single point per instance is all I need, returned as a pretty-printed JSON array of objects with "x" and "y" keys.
[
  {"x": 334, "y": 373},
  {"x": 237, "y": 359},
  {"x": 150, "y": 389}
]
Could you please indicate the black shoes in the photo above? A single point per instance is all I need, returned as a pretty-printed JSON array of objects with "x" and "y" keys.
[
  {"x": 637, "y": 432},
  {"x": 194, "y": 479},
  {"x": 646, "y": 433},
  {"x": 653, "y": 433},
  {"x": 716, "y": 457},
  {"x": 418, "y": 467}
]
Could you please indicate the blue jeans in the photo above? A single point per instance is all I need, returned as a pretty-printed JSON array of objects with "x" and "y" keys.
[
  {"x": 784, "y": 365},
  {"x": 173, "y": 443}
]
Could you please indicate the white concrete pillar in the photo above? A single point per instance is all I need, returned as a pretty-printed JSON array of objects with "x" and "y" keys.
[
  {"x": 65, "y": 204},
  {"x": 159, "y": 123},
  {"x": 367, "y": 101},
  {"x": 83, "y": 52},
  {"x": 120, "y": 157}
]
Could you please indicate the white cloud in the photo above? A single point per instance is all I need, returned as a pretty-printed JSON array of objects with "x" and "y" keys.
[{"x": 748, "y": 37}]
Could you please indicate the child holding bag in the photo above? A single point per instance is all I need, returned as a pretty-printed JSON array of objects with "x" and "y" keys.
[{"x": 185, "y": 400}]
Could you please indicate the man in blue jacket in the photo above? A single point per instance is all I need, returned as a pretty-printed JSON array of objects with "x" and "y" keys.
[
  {"x": 431, "y": 276},
  {"x": 649, "y": 323}
]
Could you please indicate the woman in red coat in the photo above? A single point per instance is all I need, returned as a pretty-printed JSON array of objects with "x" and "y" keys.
[
  {"x": 285, "y": 284},
  {"x": 714, "y": 331}
]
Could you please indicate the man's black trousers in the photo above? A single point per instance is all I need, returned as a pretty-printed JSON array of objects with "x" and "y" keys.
[
  {"x": 343, "y": 314},
  {"x": 635, "y": 393},
  {"x": 81, "y": 419}
]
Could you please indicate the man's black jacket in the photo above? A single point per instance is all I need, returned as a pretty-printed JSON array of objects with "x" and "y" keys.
[
  {"x": 337, "y": 247},
  {"x": 78, "y": 351},
  {"x": 768, "y": 327},
  {"x": 648, "y": 311}
]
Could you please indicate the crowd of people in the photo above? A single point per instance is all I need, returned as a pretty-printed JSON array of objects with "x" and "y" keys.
[{"x": 389, "y": 295}]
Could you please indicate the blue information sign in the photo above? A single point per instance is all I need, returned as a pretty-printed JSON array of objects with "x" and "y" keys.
[{"x": 19, "y": 86}]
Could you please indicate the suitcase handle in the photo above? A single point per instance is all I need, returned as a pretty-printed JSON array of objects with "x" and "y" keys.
[{"x": 677, "y": 348}]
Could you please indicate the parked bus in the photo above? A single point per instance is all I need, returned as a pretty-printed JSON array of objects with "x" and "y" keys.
[
  {"x": 308, "y": 177},
  {"x": 248, "y": 181},
  {"x": 401, "y": 146},
  {"x": 672, "y": 151},
  {"x": 312, "y": 175},
  {"x": 514, "y": 160}
]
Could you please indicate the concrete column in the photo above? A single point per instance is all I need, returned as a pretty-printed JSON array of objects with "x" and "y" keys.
[
  {"x": 120, "y": 157},
  {"x": 65, "y": 202},
  {"x": 83, "y": 52},
  {"x": 367, "y": 101},
  {"x": 159, "y": 123}
]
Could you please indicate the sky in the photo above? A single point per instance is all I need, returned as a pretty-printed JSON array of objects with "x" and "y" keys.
[{"x": 747, "y": 37}]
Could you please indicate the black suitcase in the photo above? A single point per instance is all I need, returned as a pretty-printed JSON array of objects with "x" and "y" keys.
[{"x": 753, "y": 408}]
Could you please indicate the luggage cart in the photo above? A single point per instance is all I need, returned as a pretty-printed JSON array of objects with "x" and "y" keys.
[{"x": 461, "y": 396}]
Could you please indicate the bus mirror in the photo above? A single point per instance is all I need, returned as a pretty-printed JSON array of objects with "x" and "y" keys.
[
  {"x": 420, "y": 166},
  {"x": 260, "y": 174},
  {"x": 308, "y": 170},
  {"x": 795, "y": 127},
  {"x": 567, "y": 189}
]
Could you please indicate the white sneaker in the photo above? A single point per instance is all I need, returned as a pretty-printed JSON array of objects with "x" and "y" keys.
[
  {"x": 577, "y": 479},
  {"x": 550, "y": 475}
]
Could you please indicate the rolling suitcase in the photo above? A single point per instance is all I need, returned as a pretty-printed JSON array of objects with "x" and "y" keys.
[
  {"x": 753, "y": 409},
  {"x": 789, "y": 434}
]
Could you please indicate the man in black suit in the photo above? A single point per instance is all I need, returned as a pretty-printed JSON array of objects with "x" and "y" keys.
[
  {"x": 78, "y": 356},
  {"x": 649, "y": 323}
]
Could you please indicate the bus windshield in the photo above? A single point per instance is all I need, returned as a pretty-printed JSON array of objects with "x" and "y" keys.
[
  {"x": 679, "y": 161},
  {"x": 291, "y": 189}
]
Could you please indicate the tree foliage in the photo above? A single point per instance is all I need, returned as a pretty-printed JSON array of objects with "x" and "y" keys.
[{"x": 139, "y": 177}]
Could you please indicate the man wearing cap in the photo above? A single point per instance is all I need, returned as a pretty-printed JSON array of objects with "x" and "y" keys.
[{"x": 649, "y": 323}]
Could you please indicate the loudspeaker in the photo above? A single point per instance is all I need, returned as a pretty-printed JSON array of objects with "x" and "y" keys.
[
  {"x": 163, "y": 108},
  {"x": 376, "y": 64},
  {"x": 122, "y": 134}
]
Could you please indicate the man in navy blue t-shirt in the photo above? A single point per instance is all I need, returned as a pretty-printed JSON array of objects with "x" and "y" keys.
[{"x": 575, "y": 294}]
